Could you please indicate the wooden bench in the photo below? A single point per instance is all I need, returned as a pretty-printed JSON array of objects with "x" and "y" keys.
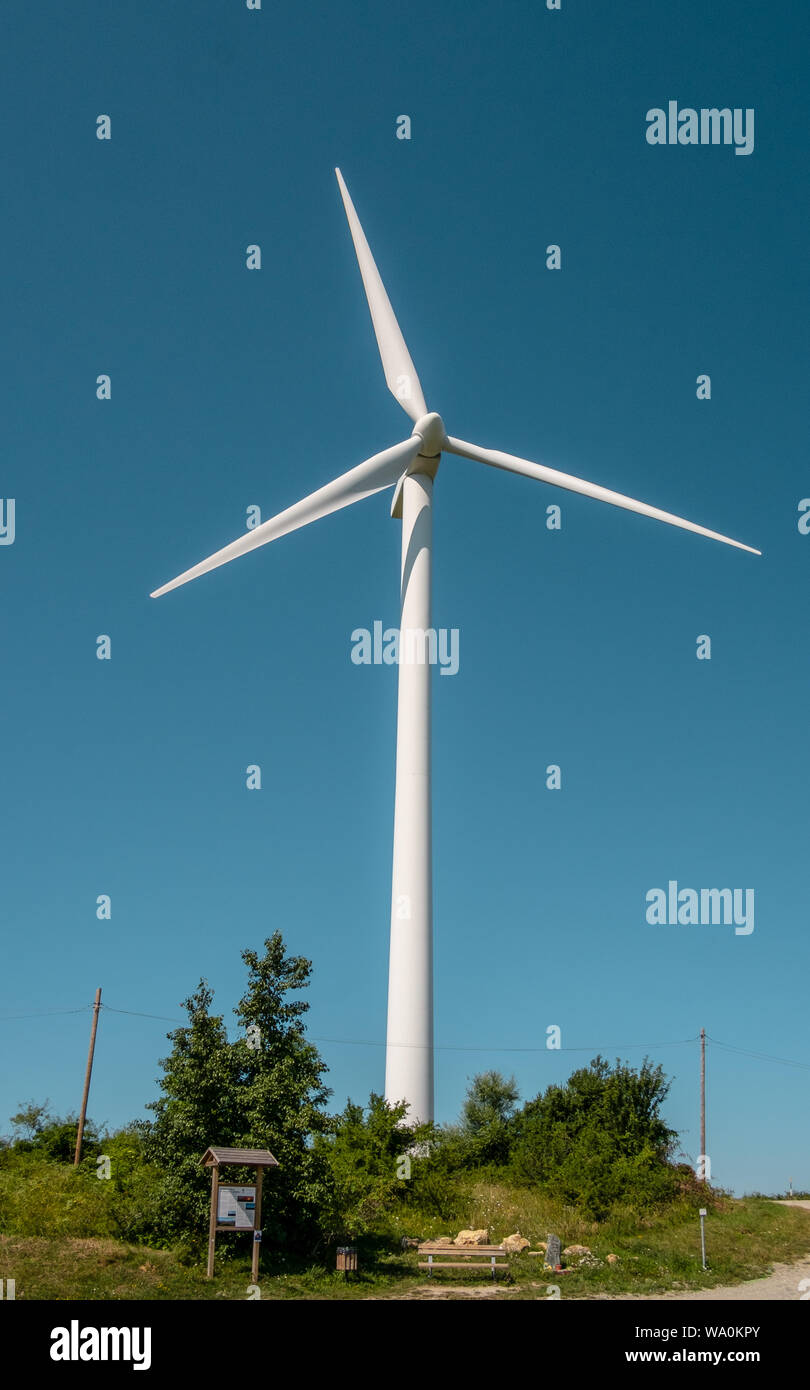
[{"x": 462, "y": 1257}]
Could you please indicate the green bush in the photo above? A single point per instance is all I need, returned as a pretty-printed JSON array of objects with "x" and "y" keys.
[
  {"x": 40, "y": 1197},
  {"x": 370, "y": 1156},
  {"x": 598, "y": 1140}
]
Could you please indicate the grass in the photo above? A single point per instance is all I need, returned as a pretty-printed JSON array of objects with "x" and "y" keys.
[
  {"x": 744, "y": 1238},
  {"x": 67, "y": 1267}
]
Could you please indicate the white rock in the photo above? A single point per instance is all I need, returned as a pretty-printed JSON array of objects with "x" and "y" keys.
[
  {"x": 513, "y": 1245},
  {"x": 472, "y": 1238}
]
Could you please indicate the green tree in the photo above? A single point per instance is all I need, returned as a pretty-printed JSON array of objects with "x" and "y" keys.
[
  {"x": 263, "y": 1090},
  {"x": 31, "y": 1117},
  {"x": 491, "y": 1100},
  {"x": 367, "y": 1152},
  {"x": 377, "y": 1163},
  {"x": 52, "y": 1136},
  {"x": 281, "y": 1090},
  {"x": 198, "y": 1107},
  {"x": 484, "y": 1133}
]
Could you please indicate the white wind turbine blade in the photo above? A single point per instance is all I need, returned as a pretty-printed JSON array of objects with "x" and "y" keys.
[
  {"x": 377, "y": 473},
  {"x": 566, "y": 480},
  {"x": 400, "y": 373}
]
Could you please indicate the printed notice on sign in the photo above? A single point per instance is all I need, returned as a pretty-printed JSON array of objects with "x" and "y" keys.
[{"x": 236, "y": 1207}]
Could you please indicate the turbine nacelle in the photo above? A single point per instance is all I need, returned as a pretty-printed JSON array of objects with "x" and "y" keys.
[{"x": 430, "y": 429}]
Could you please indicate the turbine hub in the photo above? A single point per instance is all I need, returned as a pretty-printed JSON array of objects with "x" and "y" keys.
[{"x": 430, "y": 429}]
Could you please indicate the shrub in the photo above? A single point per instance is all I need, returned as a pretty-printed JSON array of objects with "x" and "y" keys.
[{"x": 39, "y": 1197}]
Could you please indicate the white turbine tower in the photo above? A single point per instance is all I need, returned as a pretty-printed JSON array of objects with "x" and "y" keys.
[{"x": 410, "y": 468}]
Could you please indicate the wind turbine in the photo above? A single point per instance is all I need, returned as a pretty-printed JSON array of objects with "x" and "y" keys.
[{"x": 410, "y": 468}]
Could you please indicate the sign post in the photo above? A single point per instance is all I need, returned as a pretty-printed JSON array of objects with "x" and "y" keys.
[
  {"x": 236, "y": 1208},
  {"x": 257, "y": 1233},
  {"x": 212, "y": 1224},
  {"x": 703, "y": 1236}
]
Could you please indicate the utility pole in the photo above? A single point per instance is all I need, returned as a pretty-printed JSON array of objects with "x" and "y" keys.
[
  {"x": 703, "y": 1098},
  {"x": 94, "y": 1026}
]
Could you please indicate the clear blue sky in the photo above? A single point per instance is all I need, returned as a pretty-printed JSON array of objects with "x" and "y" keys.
[{"x": 231, "y": 388}]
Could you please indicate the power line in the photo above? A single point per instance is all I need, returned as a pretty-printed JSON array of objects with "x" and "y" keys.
[
  {"x": 133, "y": 1013},
  {"x": 367, "y": 1042},
  {"x": 761, "y": 1056},
  {"x": 438, "y": 1047},
  {"x": 48, "y": 1013}
]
